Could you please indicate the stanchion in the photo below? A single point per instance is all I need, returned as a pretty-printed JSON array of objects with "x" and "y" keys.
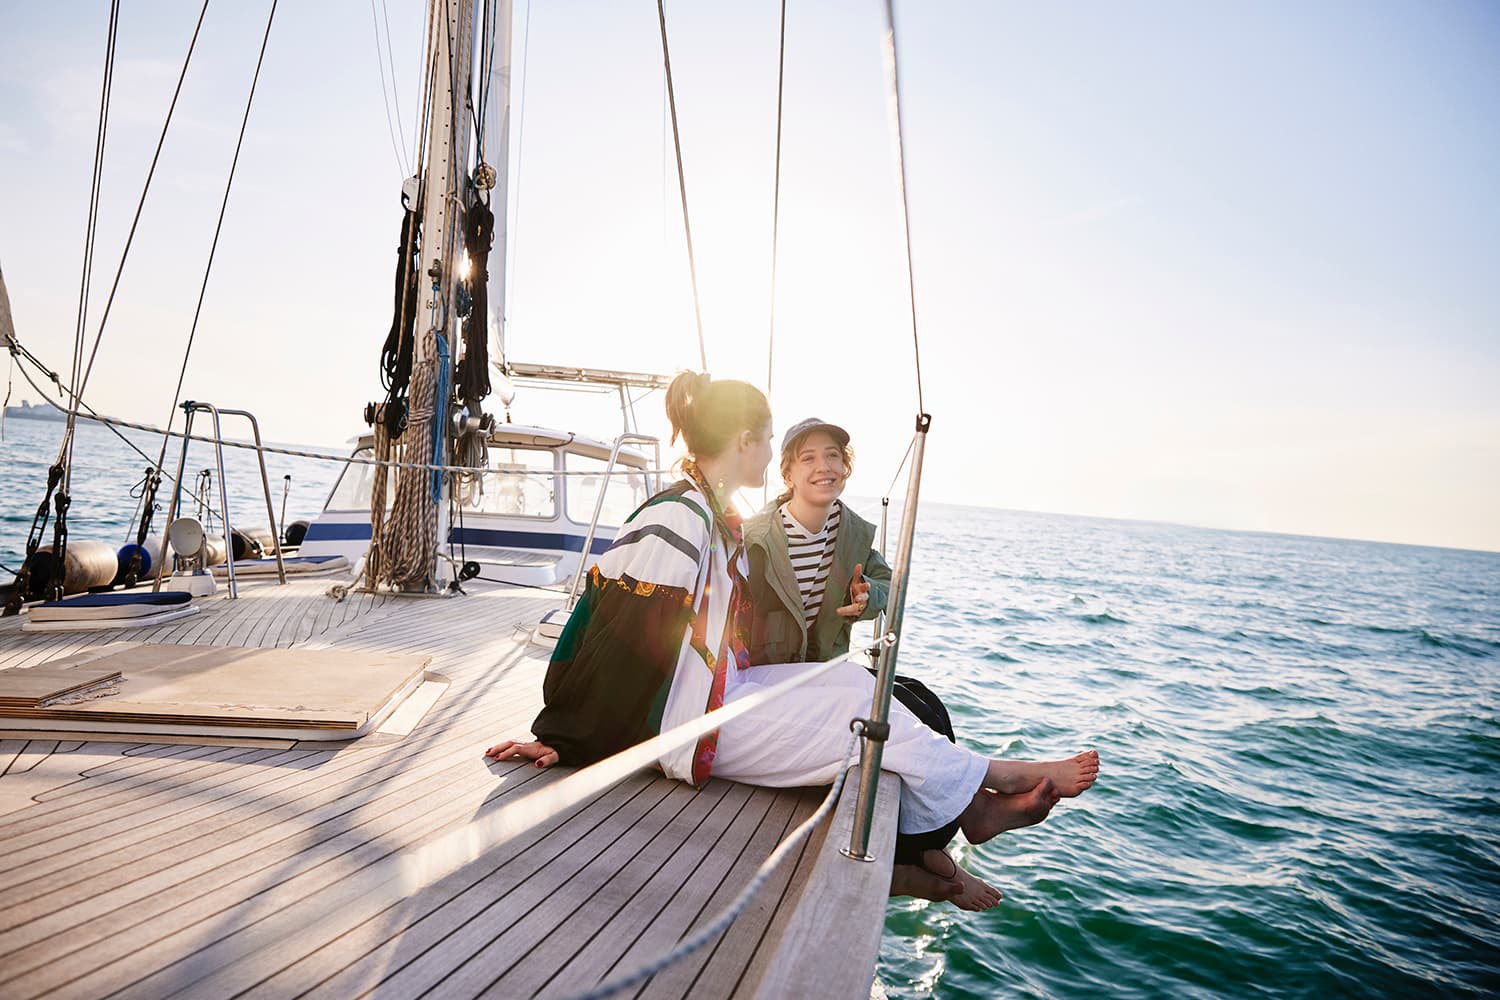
[{"x": 877, "y": 727}]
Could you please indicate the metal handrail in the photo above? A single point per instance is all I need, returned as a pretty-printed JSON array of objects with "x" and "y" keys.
[
  {"x": 885, "y": 664},
  {"x": 588, "y": 539},
  {"x": 189, "y": 408}
]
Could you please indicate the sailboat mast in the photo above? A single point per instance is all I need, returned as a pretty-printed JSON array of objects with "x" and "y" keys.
[
  {"x": 410, "y": 557},
  {"x": 447, "y": 157}
]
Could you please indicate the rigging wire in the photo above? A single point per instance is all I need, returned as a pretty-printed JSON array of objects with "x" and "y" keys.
[
  {"x": 91, "y": 231},
  {"x": 893, "y": 79},
  {"x": 909, "y": 445},
  {"x": 776, "y": 197},
  {"x": 107, "y": 422},
  {"x": 218, "y": 228},
  {"x": 81, "y": 383},
  {"x": 661, "y": 15},
  {"x": 385, "y": 96},
  {"x": 419, "y": 148},
  {"x": 395, "y": 90},
  {"x": 486, "y": 75},
  {"x": 765, "y": 489}
]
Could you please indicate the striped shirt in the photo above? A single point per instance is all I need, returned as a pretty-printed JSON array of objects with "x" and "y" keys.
[{"x": 812, "y": 557}]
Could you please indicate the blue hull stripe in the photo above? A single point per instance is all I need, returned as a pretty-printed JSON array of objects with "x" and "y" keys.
[{"x": 495, "y": 537}]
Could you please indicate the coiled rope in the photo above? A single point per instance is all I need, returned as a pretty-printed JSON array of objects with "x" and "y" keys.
[{"x": 409, "y": 541}]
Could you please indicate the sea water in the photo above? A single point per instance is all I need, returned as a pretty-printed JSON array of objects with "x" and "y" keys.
[
  {"x": 1300, "y": 741},
  {"x": 108, "y": 467}
]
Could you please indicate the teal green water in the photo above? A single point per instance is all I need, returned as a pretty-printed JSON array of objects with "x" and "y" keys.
[
  {"x": 1301, "y": 749},
  {"x": 1300, "y": 737}
]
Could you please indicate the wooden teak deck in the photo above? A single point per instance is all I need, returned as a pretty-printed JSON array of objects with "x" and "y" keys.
[{"x": 153, "y": 869}]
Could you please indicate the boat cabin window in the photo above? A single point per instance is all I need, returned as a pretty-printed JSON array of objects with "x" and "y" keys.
[
  {"x": 352, "y": 492},
  {"x": 521, "y": 483},
  {"x": 627, "y": 490}
]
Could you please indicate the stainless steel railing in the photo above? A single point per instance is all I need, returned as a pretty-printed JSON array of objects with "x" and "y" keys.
[{"x": 190, "y": 408}]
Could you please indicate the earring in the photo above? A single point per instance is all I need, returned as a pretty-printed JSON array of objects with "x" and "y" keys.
[{"x": 721, "y": 484}]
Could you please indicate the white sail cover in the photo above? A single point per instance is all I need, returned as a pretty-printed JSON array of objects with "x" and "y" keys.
[
  {"x": 7, "y": 326},
  {"x": 496, "y": 112}
]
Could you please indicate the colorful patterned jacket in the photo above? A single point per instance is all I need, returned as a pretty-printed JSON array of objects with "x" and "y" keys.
[{"x": 650, "y": 643}]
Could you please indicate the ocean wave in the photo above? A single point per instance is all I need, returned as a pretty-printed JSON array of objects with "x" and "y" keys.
[
  {"x": 1101, "y": 618},
  {"x": 1471, "y": 645}
]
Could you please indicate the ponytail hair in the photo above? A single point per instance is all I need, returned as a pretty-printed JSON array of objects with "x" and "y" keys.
[{"x": 710, "y": 414}]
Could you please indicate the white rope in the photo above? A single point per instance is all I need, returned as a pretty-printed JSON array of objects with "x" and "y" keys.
[
  {"x": 473, "y": 455},
  {"x": 737, "y": 906},
  {"x": 448, "y": 853}
]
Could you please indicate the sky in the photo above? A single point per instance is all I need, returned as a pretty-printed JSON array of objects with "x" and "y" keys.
[{"x": 1220, "y": 264}]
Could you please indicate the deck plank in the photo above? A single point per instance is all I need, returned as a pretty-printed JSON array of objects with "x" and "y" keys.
[
  {"x": 237, "y": 963},
  {"x": 701, "y": 974},
  {"x": 144, "y": 868},
  {"x": 843, "y": 887},
  {"x": 633, "y": 902},
  {"x": 538, "y": 951},
  {"x": 214, "y": 810}
]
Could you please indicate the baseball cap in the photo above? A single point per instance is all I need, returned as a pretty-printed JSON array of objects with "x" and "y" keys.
[{"x": 803, "y": 427}]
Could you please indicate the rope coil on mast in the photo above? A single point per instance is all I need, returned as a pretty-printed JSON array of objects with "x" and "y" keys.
[{"x": 409, "y": 535}]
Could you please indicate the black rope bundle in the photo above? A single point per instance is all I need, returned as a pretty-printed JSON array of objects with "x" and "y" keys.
[
  {"x": 22, "y": 587},
  {"x": 474, "y": 369},
  {"x": 149, "y": 485},
  {"x": 396, "y": 355}
]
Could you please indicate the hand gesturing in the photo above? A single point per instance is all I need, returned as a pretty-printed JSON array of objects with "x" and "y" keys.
[{"x": 859, "y": 594}]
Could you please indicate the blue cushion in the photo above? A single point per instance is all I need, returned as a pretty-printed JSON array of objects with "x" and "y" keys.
[
  {"x": 166, "y": 598},
  {"x": 288, "y": 560}
]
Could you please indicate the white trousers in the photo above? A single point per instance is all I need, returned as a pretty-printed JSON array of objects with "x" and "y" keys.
[{"x": 800, "y": 739}]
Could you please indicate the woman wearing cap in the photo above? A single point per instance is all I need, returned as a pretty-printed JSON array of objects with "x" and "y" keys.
[
  {"x": 813, "y": 573},
  {"x": 660, "y": 637}
]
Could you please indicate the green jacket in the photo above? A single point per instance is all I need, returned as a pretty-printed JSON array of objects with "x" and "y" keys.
[{"x": 778, "y": 632}]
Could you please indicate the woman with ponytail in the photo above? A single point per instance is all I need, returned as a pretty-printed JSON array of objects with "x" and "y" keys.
[{"x": 661, "y": 635}]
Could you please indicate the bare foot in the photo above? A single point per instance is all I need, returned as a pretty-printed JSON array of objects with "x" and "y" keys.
[
  {"x": 1072, "y": 776},
  {"x": 537, "y": 751},
  {"x": 975, "y": 894},
  {"x": 914, "y": 880},
  {"x": 991, "y": 813}
]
